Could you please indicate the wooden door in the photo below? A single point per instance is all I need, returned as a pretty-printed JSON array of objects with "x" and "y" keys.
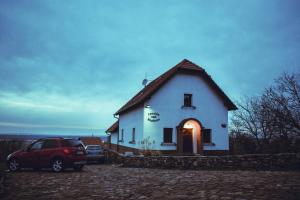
[{"x": 187, "y": 140}]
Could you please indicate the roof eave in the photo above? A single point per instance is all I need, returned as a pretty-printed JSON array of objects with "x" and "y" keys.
[
  {"x": 114, "y": 126},
  {"x": 121, "y": 111},
  {"x": 228, "y": 103},
  {"x": 232, "y": 107}
]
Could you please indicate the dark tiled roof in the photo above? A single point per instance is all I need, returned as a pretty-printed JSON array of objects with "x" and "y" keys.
[
  {"x": 183, "y": 66},
  {"x": 113, "y": 128},
  {"x": 91, "y": 140}
]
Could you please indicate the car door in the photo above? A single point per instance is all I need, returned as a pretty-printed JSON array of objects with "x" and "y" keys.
[
  {"x": 30, "y": 157},
  {"x": 49, "y": 150}
]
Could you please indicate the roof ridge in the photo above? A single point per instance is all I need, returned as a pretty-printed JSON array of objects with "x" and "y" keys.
[{"x": 187, "y": 63}]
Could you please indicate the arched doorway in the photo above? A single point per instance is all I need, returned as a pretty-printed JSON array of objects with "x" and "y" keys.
[{"x": 189, "y": 137}]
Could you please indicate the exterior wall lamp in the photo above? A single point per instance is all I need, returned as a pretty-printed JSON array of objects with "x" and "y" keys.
[{"x": 223, "y": 125}]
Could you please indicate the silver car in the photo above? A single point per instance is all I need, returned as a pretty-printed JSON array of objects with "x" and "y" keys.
[{"x": 94, "y": 153}]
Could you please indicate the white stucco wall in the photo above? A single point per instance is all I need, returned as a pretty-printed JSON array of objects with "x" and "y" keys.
[
  {"x": 114, "y": 138},
  {"x": 129, "y": 120},
  {"x": 167, "y": 101}
]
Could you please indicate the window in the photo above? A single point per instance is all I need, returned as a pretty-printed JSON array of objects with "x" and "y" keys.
[
  {"x": 49, "y": 144},
  {"x": 168, "y": 135},
  {"x": 188, "y": 100},
  {"x": 206, "y": 135},
  {"x": 37, "y": 145},
  {"x": 93, "y": 147},
  {"x": 71, "y": 143},
  {"x": 122, "y": 136},
  {"x": 133, "y": 135}
]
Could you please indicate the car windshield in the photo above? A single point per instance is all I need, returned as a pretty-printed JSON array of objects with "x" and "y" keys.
[
  {"x": 93, "y": 147},
  {"x": 71, "y": 143}
]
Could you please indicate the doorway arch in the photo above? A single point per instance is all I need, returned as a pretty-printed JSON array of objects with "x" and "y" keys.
[{"x": 189, "y": 137}]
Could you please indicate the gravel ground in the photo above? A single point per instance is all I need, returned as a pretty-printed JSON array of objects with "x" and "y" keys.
[{"x": 113, "y": 182}]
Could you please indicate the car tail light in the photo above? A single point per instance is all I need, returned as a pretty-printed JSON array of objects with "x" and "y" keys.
[{"x": 67, "y": 151}]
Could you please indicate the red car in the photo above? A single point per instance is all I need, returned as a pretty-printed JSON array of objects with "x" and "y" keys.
[{"x": 57, "y": 153}]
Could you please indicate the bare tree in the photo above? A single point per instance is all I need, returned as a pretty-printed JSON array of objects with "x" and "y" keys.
[
  {"x": 250, "y": 119},
  {"x": 285, "y": 96},
  {"x": 273, "y": 117}
]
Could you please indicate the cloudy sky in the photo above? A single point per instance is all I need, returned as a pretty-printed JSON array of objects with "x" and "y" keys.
[{"x": 69, "y": 65}]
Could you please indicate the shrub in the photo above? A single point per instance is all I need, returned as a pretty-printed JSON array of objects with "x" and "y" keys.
[
  {"x": 9, "y": 146},
  {"x": 147, "y": 147}
]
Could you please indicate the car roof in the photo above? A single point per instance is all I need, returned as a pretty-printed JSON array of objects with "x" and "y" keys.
[
  {"x": 50, "y": 138},
  {"x": 92, "y": 145},
  {"x": 56, "y": 138}
]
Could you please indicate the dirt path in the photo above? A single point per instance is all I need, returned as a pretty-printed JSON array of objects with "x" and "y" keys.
[{"x": 112, "y": 182}]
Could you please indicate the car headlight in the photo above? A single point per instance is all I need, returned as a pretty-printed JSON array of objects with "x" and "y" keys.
[{"x": 9, "y": 156}]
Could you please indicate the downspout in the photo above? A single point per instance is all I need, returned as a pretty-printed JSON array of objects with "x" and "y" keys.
[
  {"x": 109, "y": 136},
  {"x": 115, "y": 116}
]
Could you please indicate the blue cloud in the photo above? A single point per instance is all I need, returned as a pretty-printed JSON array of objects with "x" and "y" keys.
[{"x": 94, "y": 52}]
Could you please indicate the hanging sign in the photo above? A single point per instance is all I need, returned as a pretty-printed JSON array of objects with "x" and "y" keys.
[{"x": 153, "y": 117}]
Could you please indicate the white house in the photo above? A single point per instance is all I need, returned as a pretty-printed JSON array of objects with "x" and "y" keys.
[{"x": 183, "y": 111}]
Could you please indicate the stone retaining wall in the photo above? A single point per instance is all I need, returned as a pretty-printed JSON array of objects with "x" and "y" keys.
[
  {"x": 287, "y": 161},
  {"x": 113, "y": 157}
]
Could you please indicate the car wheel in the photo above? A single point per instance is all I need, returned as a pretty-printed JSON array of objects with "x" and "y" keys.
[
  {"x": 78, "y": 167},
  {"x": 57, "y": 165},
  {"x": 13, "y": 165}
]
